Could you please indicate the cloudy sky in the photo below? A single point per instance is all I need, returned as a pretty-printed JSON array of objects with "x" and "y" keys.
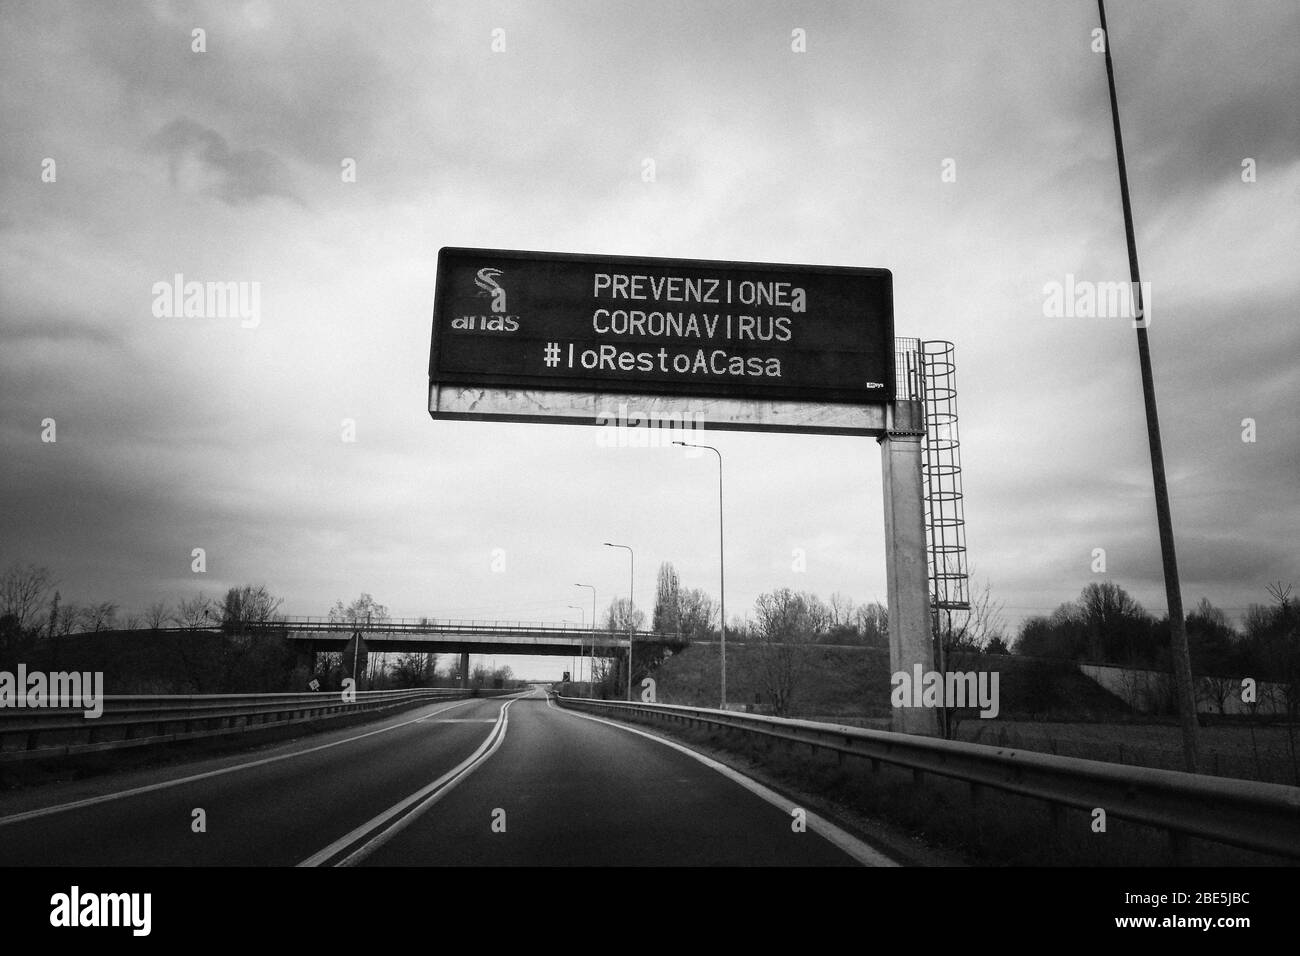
[{"x": 225, "y": 165}]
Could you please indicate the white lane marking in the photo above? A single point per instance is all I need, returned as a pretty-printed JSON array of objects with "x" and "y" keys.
[
  {"x": 421, "y": 800},
  {"x": 458, "y": 720},
  {"x": 149, "y": 788},
  {"x": 841, "y": 838}
]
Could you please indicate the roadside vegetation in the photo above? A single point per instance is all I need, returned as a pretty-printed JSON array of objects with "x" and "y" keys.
[{"x": 202, "y": 645}]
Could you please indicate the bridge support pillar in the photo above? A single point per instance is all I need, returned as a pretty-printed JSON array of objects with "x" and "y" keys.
[
  {"x": 464, "y": 669},
  {"x": 907, "y": 574},
  {"x": 307, "y": 657}
]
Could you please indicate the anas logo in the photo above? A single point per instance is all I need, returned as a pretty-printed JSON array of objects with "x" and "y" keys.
[{"x": 486, "y": 280}]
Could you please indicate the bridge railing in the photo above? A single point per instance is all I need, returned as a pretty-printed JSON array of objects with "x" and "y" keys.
[
  {"x": 143, "y": 720},
  {"x": 1257, "y": 816},
  {"x": 411, "y": 622},
  {"x": 418, "y": 626}
]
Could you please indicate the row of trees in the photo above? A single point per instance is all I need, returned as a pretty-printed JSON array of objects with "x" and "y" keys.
[
  {"x": 784, "y": 623},
  {"x": 33, "y": 611},
  {"x": 1106, "y": 625},
  {"x": 33, "y": 615},
  {"x": 694, "y": 615},
  {"x": 32, "y": 604}
]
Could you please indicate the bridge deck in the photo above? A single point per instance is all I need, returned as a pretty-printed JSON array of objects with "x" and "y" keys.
[{"x": 497, "y": 637}]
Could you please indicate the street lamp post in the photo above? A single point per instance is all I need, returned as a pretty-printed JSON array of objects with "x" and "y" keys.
[
  {"x": 631, "y": 590},
  {"x": 582, "y": 620},
  {"x": 722, "y": 570},
  {"x": 591, "y": 661}
]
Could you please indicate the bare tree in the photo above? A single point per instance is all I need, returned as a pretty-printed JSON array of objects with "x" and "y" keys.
[
  {"x": 963, "y": 635},
  {"x": 24, "y": 590},
  {"x": 195, "y": 612},
  {"x": 413, "y": 670},
  {"x": 697, "y": 612},
  {"x": 840, "y": 610},
  {"x": 249, "y": 604},
  {"x": 363, "y": 610},
  {"x": 70, "y": 620},
  {"x": 1217, "y": 691},
  {"x": 817, "y": 616},
  {"x": 157, "y": 615},
  {"x": 366, "y": 610},
  {"x": 622, "y": 616},
  {"x": 668, "y": 609},
  {"x": 967, "y": 632},
  {"x": 786, "y": 623},
  {"x": 100, "y": 617},
  {"x": 1282, "y": 656},
  {"x": 872, "y": 623}
]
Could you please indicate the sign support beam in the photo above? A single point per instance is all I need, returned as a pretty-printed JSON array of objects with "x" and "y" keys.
[{"x": 911, "y": 642}]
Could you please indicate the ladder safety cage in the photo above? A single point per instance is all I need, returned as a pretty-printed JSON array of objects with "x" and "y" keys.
[{"x": 945, "y": 519}]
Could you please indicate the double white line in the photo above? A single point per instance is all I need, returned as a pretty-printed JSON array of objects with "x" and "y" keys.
[{"x": 374, "y": 833}]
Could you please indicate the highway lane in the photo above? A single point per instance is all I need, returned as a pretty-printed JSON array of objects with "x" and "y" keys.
[
  {"x": 272, "y": 807},
  {"x": 564, "y": 789},
  {"x": 505, "y": 781}
]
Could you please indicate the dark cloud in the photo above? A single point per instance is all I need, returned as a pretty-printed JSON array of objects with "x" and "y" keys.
[
  {"x": 244, "y": 175},
  {"x": 56, "y": 330},
  {"x": 189, "y": 432}
]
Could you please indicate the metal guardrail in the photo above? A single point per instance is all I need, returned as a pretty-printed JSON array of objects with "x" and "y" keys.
[
  {"x": 1257, "y": 816},
  {"x": 142, "y": 720}
]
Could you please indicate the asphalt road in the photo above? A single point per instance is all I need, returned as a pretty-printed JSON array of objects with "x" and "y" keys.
[{"x": 499, "y": 782}]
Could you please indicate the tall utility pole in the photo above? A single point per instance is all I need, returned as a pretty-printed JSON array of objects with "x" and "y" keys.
[
  {"x": 722, "y": 571},
  {"x": 1173, "y": 595}
]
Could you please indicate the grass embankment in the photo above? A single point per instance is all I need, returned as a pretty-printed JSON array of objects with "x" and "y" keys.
[
  {"x": 1046, "y": 707},
  {"x": 852, "y": 684},
  {"x": 176, "y": 662}
]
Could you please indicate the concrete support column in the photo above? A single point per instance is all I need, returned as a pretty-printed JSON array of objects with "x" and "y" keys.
[
  {"x": 464, "y": 669},
  {"x": 906, "y": 572}
]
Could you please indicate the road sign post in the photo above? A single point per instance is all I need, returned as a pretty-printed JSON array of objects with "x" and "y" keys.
[{"x": 688, "y": 344}]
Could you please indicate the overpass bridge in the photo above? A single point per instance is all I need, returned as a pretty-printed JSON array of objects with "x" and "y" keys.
[
  {"x": 463, "y": 637},
  {"x": 494, "y": 637}
]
